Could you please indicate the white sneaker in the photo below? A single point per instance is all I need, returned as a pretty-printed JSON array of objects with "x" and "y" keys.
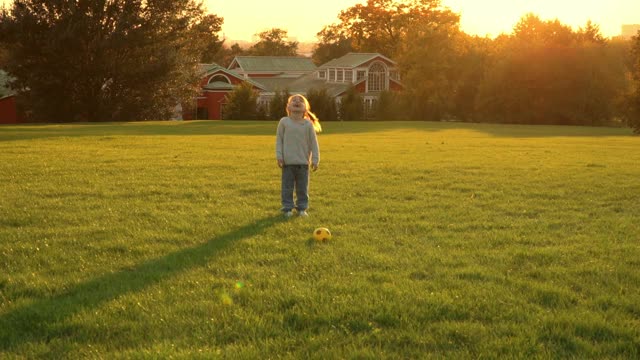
[
  {"x": 287, "y": 214},
  {"x": 303, "y": 213}
]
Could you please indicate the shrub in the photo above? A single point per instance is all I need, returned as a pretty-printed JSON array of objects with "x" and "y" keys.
[
  {"x": 322, "y": 104},
  {"x": 241, "y": 103}
]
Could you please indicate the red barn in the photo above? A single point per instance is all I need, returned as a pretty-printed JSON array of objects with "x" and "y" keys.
[
  {"x": 8, "y": 108},
  {"x": 216, "y": 82}
]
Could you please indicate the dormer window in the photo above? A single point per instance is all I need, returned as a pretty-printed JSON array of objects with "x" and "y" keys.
[
  {"x": 360, "y": 75},
  {"x": 322, "y": 74},
  {"x": 219, "y": 78},
  {"x": 377, "y": 79}
]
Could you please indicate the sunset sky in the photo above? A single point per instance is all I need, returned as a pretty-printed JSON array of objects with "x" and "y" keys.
[{"x": 304, "y": 18}]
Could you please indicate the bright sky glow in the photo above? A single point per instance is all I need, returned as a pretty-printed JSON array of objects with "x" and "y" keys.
[{"x": 304, "y": 18}]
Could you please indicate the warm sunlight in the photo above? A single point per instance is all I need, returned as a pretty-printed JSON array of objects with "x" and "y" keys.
[
  {"x": 304, "y": 18},
  {"x": 490, "y": 17}
]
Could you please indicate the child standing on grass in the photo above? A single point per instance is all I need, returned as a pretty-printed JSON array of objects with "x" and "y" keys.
[{"x": 296, "y": 149}]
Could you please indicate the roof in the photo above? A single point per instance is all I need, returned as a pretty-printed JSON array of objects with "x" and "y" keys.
[
  {"x": 352, "y": 60},
  {"x": 218, "y": 85},
  {"x": 310, "y": 81},
  {"x": 276, "y": 83},
  {"x": 208, "y": 69},
  {"x": 274, "y": 63}
]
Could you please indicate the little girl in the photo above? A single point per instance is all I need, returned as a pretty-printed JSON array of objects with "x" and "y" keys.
[{"x": 296, "y": 149}]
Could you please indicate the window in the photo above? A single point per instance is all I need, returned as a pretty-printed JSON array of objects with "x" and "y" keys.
[
  {"x": 360, "y": 75},
  {"x": 332, "y": 74},
  {"x": 377, "y": 80},
  {"x": 348, "y": 76},
  {"x": 394, "y": 74},
  {"x": 370, "y": 108},
  {"x": 219, "y": 78},
  {"x": 322, "y": 74},
  {"x": 340, "y": 75}
]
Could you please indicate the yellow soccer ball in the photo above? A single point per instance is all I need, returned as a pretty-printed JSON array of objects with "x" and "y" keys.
[{"x": 322, "y": 234}]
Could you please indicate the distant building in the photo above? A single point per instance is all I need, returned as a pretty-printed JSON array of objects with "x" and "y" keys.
[
  {"x": 629, "y": 30},
  {"x": 369, "y": 73},
  {"x": 216, "y": 82},
  {"x": 8, "y": 109}
]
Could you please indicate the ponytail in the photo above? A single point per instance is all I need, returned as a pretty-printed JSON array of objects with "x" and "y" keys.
[{"x": 314, "y": 120}]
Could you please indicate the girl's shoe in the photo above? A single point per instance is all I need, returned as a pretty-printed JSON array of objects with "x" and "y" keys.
[
  {"x": 303, "y": 213},
  {"x": 287, "y": 214}
]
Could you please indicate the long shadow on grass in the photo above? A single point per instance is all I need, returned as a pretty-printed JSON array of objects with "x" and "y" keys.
[{"x": 43, "y": 320}]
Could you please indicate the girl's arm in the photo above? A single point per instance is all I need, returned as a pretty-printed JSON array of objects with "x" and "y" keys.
[
  {"x": 279, "y": 143},
  {"x": 315, "y": 149}
]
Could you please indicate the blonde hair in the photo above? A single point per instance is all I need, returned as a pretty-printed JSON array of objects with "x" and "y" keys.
[{"x": 307, "y": 114}]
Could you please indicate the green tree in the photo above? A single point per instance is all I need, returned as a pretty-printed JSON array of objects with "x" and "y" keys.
[
  {"x": 241, "y": 103},
  {"x": 633, "y": 97},
  {"x": 531, "y": 30},
  {"x": 471, "y": 67},
  {"x": 322, "y": 104},
  {"x": 107, "y": 60},
  {"x": 3, "y": 50},
  {"x": 430, "y": 60},
  {"x": 332, "y": 44},
  {"x": 274, "y": 42},
  {"x": 545, "y": 73},
  {"x": 591, "y": 33},
  {"x": 228, "y": 54},
  {"x": 351, "y": 107},
  {"x": 380, "y": 25},
  {"x": 420, "y": 34},
  {"x": 212, "y": 47},
  {"x": 278, "y": 105},
  {"x": 389, "y": 106}
]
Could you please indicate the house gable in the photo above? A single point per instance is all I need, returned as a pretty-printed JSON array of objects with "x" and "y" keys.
[
  {"x": 354, "y": 60},
  {"x": 378, "y": 72},
  {"x": 216, "y": 77}
]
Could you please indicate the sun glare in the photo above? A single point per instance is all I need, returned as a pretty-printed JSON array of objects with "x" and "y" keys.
[
  {"x": 492, "y": 17},
  {"x": 304, "y": 18},
  {"x": 489, "y": 17}
]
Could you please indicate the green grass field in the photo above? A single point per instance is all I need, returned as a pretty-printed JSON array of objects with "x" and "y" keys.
[{"x": 450, "y": 240}]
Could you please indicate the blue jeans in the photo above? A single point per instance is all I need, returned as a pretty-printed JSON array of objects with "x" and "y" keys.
[{"x": 295, "y": 176}]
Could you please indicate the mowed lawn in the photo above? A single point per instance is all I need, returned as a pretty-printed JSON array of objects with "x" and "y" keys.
[{"x": 450, "y": 240}]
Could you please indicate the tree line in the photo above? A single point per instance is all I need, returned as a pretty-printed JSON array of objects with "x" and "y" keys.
[
  {"x": 544, "y": 72},
  {"x": 121, "y": 60}
]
